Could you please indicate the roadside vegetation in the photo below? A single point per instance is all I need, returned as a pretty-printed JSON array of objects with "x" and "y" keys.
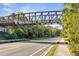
[
  {"x": 70, "y": 24},
  {"x": 53, "y": 48},
  {"x": 30, "y": 32},
  {"x": 33, "y": 31}
]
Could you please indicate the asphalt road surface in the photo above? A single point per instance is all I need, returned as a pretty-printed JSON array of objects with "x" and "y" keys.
[{"x": 25, "y": 48}]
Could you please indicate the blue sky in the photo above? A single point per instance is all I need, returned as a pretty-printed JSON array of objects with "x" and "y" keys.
[{"x": 8, "y": 8}]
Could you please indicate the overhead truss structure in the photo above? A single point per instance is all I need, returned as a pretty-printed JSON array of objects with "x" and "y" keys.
[{"x": 43, "y": 17}]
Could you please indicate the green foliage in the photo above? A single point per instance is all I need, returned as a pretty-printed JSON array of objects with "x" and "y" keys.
[
  {"x": 33, "y": 31},
  {"x": 52, "y": 50},
  {"x": 70, "y": 24},
  {"x": 17, "y": 32},
  {"x": 4, "y": 35}
]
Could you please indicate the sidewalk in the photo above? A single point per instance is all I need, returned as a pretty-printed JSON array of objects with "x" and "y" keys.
[{"x": 62, "y": 50}]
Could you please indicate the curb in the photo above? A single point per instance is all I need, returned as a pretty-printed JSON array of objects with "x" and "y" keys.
[{"x": 45, "y": 53}]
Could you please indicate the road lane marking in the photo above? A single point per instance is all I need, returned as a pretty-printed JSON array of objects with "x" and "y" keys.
[
  {"x": 44, "y": 54},
  {"x": 39, "y": 50}
]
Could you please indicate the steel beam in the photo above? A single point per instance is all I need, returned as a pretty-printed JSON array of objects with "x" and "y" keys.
[{"x": 32, "y": 18}]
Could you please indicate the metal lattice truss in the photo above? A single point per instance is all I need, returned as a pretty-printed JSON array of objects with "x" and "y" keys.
[{"x": 44, "y": 17}]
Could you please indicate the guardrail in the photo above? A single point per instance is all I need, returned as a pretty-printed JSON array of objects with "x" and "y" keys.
[{"x": 12, "y": 40}]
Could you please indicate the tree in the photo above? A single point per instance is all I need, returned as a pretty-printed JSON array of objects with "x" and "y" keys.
[
  {"x": 72, "y": 7},
  {"x": 70, "y": 24}
]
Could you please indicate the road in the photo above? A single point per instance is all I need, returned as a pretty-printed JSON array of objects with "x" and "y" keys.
[{"x": 25, "y": 48}]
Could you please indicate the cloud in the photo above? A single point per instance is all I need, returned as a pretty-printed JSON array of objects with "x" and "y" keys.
[
  {"x": 7, "y": 4},
  {"x": 26, "y": 9},
  {"x": 7, "y": 9},
  {"x": 15, "y": 8},
  {"x": 32, "y": 8}
]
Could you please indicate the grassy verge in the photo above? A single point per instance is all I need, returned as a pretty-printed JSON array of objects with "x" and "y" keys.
[
  {"x": 71, "y": 53},
  {"x": 74, "y": 50},
  {"x": 53, "y": 48}
]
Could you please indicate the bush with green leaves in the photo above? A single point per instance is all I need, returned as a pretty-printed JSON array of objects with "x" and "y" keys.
[
  {"x": 33, "y": 31},
  {"x": 70, "y": 23}
]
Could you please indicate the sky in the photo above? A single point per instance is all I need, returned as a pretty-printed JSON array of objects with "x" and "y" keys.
[{"x": 8, "y": 8}]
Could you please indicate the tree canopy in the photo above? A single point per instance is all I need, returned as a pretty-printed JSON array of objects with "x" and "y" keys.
[{"x": 70, "y": 24}]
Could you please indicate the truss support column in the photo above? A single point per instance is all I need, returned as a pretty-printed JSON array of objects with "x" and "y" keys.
[
  {"x": 56, "y": 16},
  {"x": 29, "y": 16},
  {"x": 24, "y": 18},
  {"x": 41, "y": 17},
  {"x": 35, "y": 17},
  {"x": 18, "y": 19}
]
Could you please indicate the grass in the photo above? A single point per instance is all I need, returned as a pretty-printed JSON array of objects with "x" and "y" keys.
[
  {"x": 74, "y": 51},
  {"x": 53, "y": 48},
  {"x": 70, "y": 50}
]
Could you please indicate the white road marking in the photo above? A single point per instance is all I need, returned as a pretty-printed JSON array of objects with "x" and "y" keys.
[
  {"x": 44, "y": 54},
  {"x": 39, "y": 50}
]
